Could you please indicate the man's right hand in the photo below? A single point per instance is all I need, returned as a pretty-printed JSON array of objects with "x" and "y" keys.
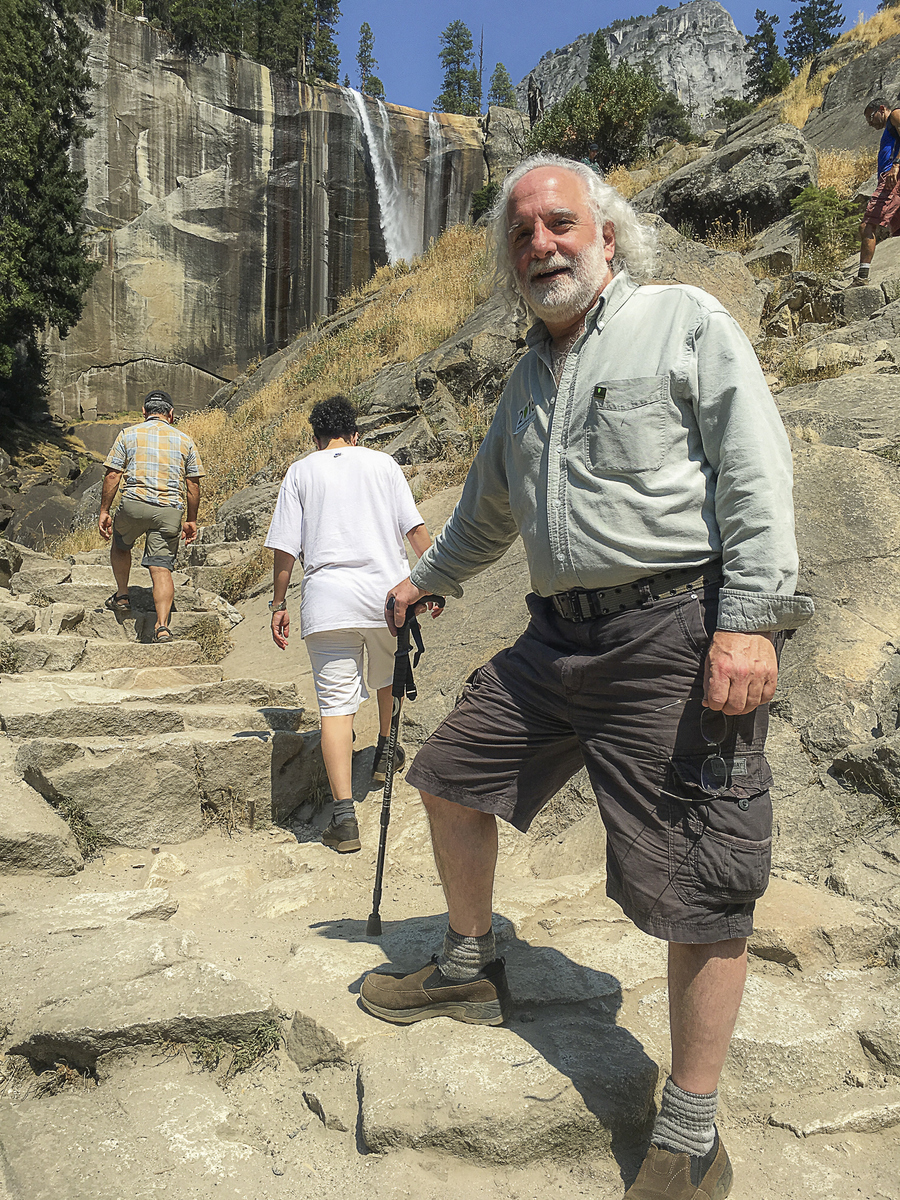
[
  {"x": 189, "y": 532},
  {"x": 281, "y": 628},
  {"x": 406, "y": 595},
  {"x": 105, "y": 525}
]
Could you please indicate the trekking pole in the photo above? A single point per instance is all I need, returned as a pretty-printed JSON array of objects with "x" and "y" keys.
[{"x": 402, "y": 685}]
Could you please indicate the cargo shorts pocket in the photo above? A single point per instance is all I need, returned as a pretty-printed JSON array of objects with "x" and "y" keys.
[{"x": 721, "y": 846}]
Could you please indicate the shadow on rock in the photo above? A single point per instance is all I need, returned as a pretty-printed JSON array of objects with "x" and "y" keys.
[{"x": 561, "y": 1077}]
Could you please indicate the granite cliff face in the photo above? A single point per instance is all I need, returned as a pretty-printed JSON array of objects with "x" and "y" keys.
[
  {"x": 230, "y": 207},
  {"x": 696, "y": 50}
]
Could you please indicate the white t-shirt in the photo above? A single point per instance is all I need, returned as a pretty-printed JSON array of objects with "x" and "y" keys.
[{"x": 344, "y": 513}]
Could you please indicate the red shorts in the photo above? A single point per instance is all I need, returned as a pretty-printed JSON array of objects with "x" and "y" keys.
[{"x": 884, "y": 207}]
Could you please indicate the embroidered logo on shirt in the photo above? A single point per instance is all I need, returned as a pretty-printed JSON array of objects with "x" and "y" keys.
[
  {"x": 599, "y": 392},
  {"x": 524, "y": 416}
]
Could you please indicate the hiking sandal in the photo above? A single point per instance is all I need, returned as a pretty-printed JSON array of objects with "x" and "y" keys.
[
  {"x": 162, "y": 633},
  {"x": 117, "y": 603}
]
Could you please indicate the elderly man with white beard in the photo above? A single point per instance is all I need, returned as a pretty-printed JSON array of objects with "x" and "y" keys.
[{"x": 637, "y": 451}]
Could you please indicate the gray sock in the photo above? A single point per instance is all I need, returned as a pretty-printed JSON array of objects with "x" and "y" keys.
[
  {"x": 686, "y": 1121},
  {"x": 863, "y": 272},
  {"x": 344, "y": 810},
  {"x": 463, "y": 957}
]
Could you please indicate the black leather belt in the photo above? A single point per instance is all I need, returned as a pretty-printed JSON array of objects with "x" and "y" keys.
[{"x": 580, "y": 605}]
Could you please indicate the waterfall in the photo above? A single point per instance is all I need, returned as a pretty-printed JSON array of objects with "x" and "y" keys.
[
  {"x": 434, "y": 172},
  {"x": 400, "y": 234}
]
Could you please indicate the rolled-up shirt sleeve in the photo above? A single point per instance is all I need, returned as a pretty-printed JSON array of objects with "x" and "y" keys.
[{"x": 747, "y": 447}]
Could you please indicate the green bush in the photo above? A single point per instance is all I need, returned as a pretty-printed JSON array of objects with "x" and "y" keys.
[{"x": 828, "y": 221}]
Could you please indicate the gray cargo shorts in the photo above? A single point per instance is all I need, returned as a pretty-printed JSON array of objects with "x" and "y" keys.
[
  {"x": 160, "y": 525},
  {"x": 620, "y": 695}
]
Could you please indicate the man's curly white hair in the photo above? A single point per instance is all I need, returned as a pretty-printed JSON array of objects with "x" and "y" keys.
[{"x": 635, "y": 243}]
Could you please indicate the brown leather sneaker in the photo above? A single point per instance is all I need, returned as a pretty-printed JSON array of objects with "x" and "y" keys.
[
  {"x": 426, "y": 993},
  {"x": 343, "y": 837},
  {"x": 667, "y": 1176}
]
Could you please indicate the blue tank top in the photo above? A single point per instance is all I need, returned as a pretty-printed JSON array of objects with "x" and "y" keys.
[{"x": 887, "y": 151}]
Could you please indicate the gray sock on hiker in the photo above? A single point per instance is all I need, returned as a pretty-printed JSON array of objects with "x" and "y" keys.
[
  {"x": 463, "y": 957},
  {"x": 863, "y": 272},
  {"x": 344, "y": 810},
  {"x": 686, "y": 1121}
]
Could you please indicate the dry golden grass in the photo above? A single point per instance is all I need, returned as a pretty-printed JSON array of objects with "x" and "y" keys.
[
  {"x": 624, "y": 182},
  {"x": 875, "y": 30},
  {"x": 845, "y": 170},
  {"x": 734, "y": 237}
]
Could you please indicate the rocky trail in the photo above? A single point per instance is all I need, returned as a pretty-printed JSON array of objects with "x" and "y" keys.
[{"x": 180, "y": 1016}]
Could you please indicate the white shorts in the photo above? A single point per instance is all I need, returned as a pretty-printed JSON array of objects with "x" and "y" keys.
[{"x": 337, "y": 662}]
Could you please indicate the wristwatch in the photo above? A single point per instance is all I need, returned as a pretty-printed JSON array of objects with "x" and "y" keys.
[{"x": 274, "y": 608}]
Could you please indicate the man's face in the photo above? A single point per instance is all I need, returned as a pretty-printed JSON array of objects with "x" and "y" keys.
[
  {"x": 878, "y": 117},
  {"x": 560, "y": 258}
]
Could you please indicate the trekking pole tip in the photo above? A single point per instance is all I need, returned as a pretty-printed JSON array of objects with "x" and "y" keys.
[{"x": 373, "y": 925}]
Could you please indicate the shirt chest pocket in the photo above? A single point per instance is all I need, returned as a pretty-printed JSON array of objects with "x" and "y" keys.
[{"x": 625, "y": 428}]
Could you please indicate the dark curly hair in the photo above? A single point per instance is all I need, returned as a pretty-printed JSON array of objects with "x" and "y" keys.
[{"x": 333, "y": 418}]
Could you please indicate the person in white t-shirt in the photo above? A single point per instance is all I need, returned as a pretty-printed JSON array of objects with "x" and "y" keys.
[{"x": 344, "y": 511}]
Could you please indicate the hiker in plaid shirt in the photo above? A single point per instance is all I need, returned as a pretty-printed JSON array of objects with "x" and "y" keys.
[{"x": 155, "y": 459}]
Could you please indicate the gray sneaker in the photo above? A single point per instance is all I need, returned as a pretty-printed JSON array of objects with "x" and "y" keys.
[
  {"x": 380, "y": 763},
  {"x": 343, "y": 837}
]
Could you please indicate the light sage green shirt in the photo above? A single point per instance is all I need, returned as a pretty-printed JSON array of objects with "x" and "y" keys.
[{"x": 661, "y": 448}]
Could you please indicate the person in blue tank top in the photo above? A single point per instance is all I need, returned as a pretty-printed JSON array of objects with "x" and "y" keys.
[{"x": 884, "y": 207}]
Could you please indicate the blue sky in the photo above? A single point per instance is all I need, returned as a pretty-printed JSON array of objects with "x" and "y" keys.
[{"x": 516, "y": 33}]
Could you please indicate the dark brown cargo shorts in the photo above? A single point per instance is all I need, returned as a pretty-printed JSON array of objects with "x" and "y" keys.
[{"x": 620, "y": 695}]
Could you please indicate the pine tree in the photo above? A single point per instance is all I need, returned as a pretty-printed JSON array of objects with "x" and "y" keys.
[
  {"x": 365, "y": 59},
  {"x": 44, "y": 270},
  {"x": 376, "y": 88},
  {"x": 599, "y": 56},
  {"x": 768, "y": 72},
  {"x": 813, "y": 28},
  {"x": 500, "y": 88},
  {"x": 462, "y": 91}
]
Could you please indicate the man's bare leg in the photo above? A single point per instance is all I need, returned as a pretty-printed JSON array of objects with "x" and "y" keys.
[
  {"x": 163, "y": 593},
  {"x": 120, "y": 561},
  {"x": 465, "y": 852},
  {"x": 385, "y": 708},
  {"x": 866, "y": 244},
  {"x": 706, "y": 983},
  {"x": 866, "y": 254},
  {"x": 337, "y": 751}
]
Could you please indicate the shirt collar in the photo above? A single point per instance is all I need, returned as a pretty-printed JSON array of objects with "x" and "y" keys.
[{"x": 619, "y": 289}]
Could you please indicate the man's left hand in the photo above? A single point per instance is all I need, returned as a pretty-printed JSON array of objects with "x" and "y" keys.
[
  {"x": 281, "y": 628},
  {"x": 741, "y": 672},
  {"x": 189, "y": 532}
]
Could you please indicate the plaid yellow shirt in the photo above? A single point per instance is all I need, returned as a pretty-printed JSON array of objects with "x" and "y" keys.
[{"x": 155, "y": 459}]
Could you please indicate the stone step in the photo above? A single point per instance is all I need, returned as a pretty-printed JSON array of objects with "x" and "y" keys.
[
  {"x": 169, "y": 1000},
  {"x": 508, "y": 1095},
  {"x": 141, "y": 719},
  {"x": 65, "y": 652},
  {"x": 144, "y": 791},
  {"x": 92, "y": 596},
  {"x": 19, "y": 693},
  {"x": 33, "y": 837}
]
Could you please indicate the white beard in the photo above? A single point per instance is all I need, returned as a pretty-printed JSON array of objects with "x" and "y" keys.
[{"x": 565, "y": 297}]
